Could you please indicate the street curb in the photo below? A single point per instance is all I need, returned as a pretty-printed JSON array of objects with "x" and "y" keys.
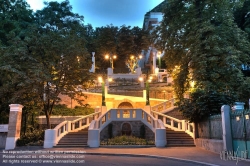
[
  {"x": 152, "y": 156},
  {"x": 127, "y": 146}
]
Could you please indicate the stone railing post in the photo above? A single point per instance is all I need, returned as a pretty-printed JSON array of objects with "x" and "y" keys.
[
  {"x": 147, "y": 108},
  {"x": 14, "y": 130},
  {"x": 226, "y": 128}
]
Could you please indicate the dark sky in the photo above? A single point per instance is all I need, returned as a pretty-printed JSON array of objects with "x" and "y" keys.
[{"x": 105, "y": 12}]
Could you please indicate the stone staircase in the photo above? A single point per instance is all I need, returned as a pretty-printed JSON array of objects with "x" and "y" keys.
[
  {"x": 178, "y": 139},
  {"x": 74, "y": 139}
]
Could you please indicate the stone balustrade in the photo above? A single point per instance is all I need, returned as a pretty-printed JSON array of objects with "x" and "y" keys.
[
  {"x": 153, "y": 124},
  {"x": 175, "y": 124},
  {"x": 53, "y": 136}
]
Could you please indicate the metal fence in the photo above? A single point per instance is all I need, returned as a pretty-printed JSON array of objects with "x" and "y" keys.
[{"x": 240, "y": 123}]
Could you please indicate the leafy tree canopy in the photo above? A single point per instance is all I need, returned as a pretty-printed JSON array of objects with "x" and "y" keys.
[{"x": 204, "y": 45}]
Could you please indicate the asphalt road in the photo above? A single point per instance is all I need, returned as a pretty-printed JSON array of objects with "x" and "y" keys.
[{"x": 88, "y": 160}]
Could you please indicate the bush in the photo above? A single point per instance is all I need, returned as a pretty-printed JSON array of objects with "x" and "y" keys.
[
  {"x": 63, "y": 110},
  {"x": 32, "y": 138},
  {"x": 127, "y": 140},
  {"x": 202, "y": 104}
]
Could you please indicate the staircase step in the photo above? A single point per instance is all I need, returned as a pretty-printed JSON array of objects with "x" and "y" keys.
[
  {"x": 180, "y": 145},
  {"x": 74, "y": 139},
  {"x": 178, "y": 139},
  {"x": 72, "y": 143}
]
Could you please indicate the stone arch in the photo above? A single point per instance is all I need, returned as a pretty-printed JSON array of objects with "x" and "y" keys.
[
  {"x": 125, "y": 104},
  {"x": 126, "y": 128},
  {"x": 165, "y": 78}
]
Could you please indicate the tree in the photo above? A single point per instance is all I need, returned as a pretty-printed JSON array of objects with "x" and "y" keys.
[
  {"x": 106, "y": 43},
  {"x": 15, "y": 18},
  {"x": 51, "y": 58},
  {"x": 203, "y": 42}
]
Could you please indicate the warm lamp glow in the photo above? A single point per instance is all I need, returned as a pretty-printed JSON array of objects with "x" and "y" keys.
[
  {"x": 106, "y": 56},
  {"x": 159, "y": 54},
  {"x": 114, "y": 57},
  {"x": 140, "y": 79},
  {"x": 99, "y": 79},
  {"x": 110, "y": 79}
]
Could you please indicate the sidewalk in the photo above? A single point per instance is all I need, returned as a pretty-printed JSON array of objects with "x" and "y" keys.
[{"x": 180, "y": 153}]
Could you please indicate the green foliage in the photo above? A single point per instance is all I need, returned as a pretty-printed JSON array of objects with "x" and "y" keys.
[
  {"x": 202, "y": 104},
  {"x": 48, "y": 59},
  {"x": 32, "y": 138},
  {"x": 142, "y": 131},
  {"x": 122, "y": 41},
  {"x": 63, "y": 110},
  {"x": 4, "y": 117},
  {"x": 204, "y": 45},
  {"x": 127, "y": 140}
]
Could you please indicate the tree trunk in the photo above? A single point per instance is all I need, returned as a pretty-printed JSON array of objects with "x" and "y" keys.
[{"x": 48, "y": 120}]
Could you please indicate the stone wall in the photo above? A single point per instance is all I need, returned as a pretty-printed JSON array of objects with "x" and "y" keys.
[
  {"x": 210, "y": 128},
  {"x": 135, "y": 130},
  {"x": 212, "y": 145},
  {"x": 3, "y": 137},
  {"x": 112, "y": 101}
]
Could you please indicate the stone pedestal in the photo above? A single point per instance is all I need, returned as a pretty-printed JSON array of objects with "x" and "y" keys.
[
  {"x": 226, "y": 128},
  {"x": 103, "y": 110},
  {"x": 147, "y": 108},
  {"x": 15, "y": 118}
]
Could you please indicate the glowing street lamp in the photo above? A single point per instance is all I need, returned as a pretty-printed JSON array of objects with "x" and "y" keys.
[
  {"x": 133, "y": 62},
  {"x": 111, "y": 59},
  {"x": 103, "y": 90},
  {"x": 147, "y": 88}
]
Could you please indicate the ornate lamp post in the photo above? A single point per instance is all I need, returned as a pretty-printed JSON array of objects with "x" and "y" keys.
[
  {"x": 103, "y": 90},
  {"x": 111, "y": 59},
  {"x": 133, "y": 62},
  {"x": 148, "y": 80}
]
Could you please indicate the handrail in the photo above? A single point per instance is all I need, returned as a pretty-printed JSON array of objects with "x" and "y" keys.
[
  {"x": 156, "y": 125},
  {"x": 163, "y": 106},
  {"x": 126, "y": 114},
  {"x": 175, "y": 124},
  {"x": 4, "y": 127},
  {"x": 66, "y": 126}
]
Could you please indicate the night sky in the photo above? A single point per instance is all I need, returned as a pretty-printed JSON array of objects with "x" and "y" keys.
[{"x": 105, "y": 12}]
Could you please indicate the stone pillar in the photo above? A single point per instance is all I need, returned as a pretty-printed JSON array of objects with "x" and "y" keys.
[
  {"x": 14, "y": 130},
  {"x": 106, "y": 90},
  {"x": 143, "y": 85},
  {"x": 160, "y": 137},
  {"x": 110, "y": 71},
  {"x": 49, "y": 138},
  {"x": 226, "y": 128},
  {"x": 103, "y": 110},
  {"x": 144, "y": 94},
  {"x": 147, "y": 108},
  {"x": 154, "y": 62},
  {"x": 138, "y": 71},
  {"x": 92, "y": 70}
]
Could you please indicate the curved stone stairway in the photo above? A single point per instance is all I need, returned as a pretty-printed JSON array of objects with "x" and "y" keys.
[
  {"x": 178, "y": 139},
  {"x": 74, "y": 139}
]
